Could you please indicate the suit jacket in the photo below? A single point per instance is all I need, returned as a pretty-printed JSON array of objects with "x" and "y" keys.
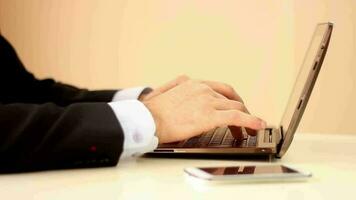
[{"x": 45, "y": 124}]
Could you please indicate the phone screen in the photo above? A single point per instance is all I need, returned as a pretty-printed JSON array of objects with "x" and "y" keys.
[{"x": 243, "y": 170}]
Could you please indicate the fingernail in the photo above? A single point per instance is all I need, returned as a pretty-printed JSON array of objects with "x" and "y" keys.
[{"x": 263, "y": 124}]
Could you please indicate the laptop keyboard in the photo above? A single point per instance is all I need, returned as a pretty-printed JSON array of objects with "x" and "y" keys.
[{"x": 220, "y": 137}]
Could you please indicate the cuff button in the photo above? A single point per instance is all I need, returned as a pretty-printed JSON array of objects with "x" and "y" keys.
[{"x": 137, "y": 137}]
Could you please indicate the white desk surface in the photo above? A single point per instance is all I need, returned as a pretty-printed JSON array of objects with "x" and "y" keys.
[{"x": 331, "y": 159}]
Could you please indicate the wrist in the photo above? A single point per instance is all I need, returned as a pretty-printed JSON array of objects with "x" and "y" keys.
[
  {"x": 144, "y": 93},
  {"x": 157, "y": 120}
]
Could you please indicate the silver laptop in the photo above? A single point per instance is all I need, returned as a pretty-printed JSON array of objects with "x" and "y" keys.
[{"x": 273, "y": 141}]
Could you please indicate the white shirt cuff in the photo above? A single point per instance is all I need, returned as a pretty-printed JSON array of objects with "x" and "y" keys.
[
  {"x": 138, "y": 127},
  {"x": 130, "y": 93}
]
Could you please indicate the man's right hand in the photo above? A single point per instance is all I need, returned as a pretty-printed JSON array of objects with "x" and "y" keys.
[{"x": 189, "y": 108}]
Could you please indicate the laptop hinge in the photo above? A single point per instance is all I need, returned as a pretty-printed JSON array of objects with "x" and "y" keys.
[{"x": 279, "y": 145}]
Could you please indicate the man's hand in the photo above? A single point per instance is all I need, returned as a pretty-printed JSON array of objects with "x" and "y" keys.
[
  {"x": 185, "y": 108},
  {"x": 179, "y": 80},
  {"x": 221, "y": 88}
]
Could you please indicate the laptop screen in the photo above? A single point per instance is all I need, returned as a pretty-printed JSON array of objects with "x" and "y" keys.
[{"x": 305, "y": 81}]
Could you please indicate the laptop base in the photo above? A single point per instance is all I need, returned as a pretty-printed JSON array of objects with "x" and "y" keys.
[{"x": 232, "y": 157}]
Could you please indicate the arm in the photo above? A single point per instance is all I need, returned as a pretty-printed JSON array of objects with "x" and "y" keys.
[
  {"x": 50, "y": 136},
  {"x": 35, "y": 137},
  {"x": 18, "y": 85}
]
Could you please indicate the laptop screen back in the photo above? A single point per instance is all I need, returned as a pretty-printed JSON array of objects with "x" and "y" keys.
[{"x": 304, "y": 83}]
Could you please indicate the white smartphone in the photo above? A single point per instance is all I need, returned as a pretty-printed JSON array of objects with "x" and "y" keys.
[{"x": 249, "y": 173}]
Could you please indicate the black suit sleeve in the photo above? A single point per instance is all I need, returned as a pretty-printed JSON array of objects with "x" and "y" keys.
[
  {"x": 47, "y": 136},
  {"x": 18, "y": 85},
  {"x": 48, "y": 125}
]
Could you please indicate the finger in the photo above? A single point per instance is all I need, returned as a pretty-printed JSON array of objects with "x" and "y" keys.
[
  {"x": 168, "y": 86},
  {"x": 224, "y": 89},
  {"x": 236, "y": 132},
  {"x": 235, "y": 105},
  {"x": 240, "y": 119},
  {"x": 227, "y": 104},
  {"x": 173, "y": 83},
  {"x": 251, "y": 131},
  {"x": 218, "y": 95}
]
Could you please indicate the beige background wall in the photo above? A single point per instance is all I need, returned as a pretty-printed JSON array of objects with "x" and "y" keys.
[{"x": 256, "y": 46}]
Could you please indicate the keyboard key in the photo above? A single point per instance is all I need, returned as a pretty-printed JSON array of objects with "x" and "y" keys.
[
  {"x": 244, "y": 132},
  {"x": 240, "y": 143},
  {"x": 251, "y": 141},
  {"x": 218, "y": 136},
  {"x": 228, "y": 139},
  {"x": 205, "y": 139},
  {"x": 192, "y": 142}
]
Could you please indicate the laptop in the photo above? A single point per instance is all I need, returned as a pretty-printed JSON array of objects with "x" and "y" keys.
[{"x": 272, "y": 141}]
